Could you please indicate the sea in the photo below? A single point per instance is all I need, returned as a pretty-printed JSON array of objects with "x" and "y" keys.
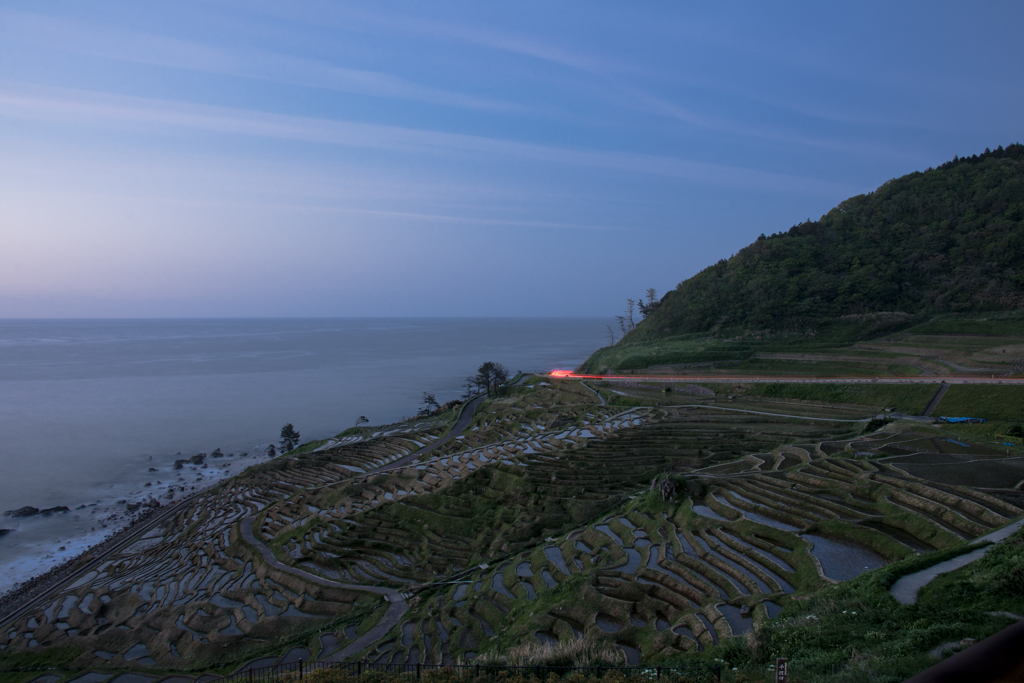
[{"x": 93, "y": 413}]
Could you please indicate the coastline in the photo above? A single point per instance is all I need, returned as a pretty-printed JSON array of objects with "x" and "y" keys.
[{"x": 39, "y": 549}]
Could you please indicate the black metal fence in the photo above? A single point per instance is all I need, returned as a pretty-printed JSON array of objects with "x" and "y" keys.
[{"x": 272, "y": 674}]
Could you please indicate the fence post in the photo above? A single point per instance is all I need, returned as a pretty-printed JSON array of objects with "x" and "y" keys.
[
  {"x": 359, "y": 669},
  {"x": 300, "y": 669},
  {"x": 478, "y": 671},
  {"x": 659, "y": 672},
  {"x": 250, "y": 674}
]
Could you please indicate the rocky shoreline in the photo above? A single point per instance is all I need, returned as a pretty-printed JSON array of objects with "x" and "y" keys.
[
  {"x": 12, "y": 599},
  {"x": 29, "y": 511},
  {"x": 127, "y": 519}
]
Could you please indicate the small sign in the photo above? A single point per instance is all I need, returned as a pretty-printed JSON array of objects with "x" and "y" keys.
[{"x": 781, "y": 670}]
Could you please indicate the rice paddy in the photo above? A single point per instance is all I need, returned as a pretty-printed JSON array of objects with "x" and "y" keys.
[{"x": 659, "y": 530}]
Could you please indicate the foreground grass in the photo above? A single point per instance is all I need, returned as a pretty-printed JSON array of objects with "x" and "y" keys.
[{"x": 856, "y": 631}]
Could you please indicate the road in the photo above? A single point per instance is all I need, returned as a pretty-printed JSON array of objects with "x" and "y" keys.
[{"x": 788, "y": 379}]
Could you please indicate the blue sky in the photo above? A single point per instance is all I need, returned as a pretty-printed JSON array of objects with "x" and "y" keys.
[{"x": 195, "y": 159}]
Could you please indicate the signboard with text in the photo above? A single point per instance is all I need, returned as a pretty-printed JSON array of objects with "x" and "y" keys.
[{"x": 781, "y": 670}]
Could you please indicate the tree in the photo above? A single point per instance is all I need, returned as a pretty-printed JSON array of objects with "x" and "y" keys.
[
  {"x": 289, "y": 437},
  {"x": 362, "y": 420},
  {"x": 611, "y": 336},
  {"x": 499, "y": 375},
  {"x": 489, "y": 377},
  {"x": 652, "y": 303},
  {"x": 430, "y": 405}
]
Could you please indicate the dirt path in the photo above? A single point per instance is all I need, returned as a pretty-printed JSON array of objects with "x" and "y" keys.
[{"x": 759, "y": 412}]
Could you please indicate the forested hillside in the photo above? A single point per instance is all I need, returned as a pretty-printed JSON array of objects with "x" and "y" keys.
[{"x": 949, "y": 239}]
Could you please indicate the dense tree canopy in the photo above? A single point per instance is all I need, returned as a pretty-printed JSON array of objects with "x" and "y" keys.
[{"x": 949, "y": 239}]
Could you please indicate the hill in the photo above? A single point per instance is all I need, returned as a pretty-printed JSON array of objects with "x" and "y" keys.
[{"x": 945, "y": 240}]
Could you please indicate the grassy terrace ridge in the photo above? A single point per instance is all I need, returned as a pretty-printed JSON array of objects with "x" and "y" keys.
[{"x": 980, "y": 345}]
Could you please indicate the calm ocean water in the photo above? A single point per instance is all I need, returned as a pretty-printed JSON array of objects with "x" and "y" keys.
[{"x": 88, "y": 407}]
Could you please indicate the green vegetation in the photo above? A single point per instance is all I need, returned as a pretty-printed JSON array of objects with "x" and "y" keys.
[
  {"x": 856, "y": 631},
  {"x": 905, "y": 398},
  {"x": 992, "y": 402},
  {"x": 50, "y": 658},
  {"x": 944, "y": 240}
]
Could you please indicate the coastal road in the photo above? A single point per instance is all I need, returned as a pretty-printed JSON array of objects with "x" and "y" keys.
[{"x": 790, "y": 379}]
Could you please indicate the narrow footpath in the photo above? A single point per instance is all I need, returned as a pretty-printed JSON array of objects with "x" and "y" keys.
[{"x": 397, "y": 605}]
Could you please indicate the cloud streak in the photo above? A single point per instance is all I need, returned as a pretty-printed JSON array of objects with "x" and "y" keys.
[
  {"x": 146, "y": 48},
  {"x": 77, "y": 107}
]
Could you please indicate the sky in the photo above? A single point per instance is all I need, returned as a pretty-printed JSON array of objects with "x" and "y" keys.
[{"x": 308, "y": 159}]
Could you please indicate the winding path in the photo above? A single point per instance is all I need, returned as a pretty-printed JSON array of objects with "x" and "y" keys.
[
  {"x": 397, "y": 606},
  {"x": 906, "y": 587}
]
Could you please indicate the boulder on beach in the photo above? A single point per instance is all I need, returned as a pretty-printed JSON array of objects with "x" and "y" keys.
[
  {"x": 4, "y": 532},
  {"x": 217, "y": 454},
  {"x": 55, "y": 510},
  {"x": 27, "y": 511}
]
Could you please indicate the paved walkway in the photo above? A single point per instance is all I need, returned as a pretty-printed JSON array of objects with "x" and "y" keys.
[{"x": 906, "y": 588}]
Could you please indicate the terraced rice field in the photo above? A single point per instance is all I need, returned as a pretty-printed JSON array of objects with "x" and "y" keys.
[{"x": 660, "y": 529}]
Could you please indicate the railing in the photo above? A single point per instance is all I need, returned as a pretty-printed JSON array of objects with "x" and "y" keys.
[{"x": 272, "y": 674}]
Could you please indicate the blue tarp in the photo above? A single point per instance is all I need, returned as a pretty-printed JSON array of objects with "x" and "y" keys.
[{"x": 962, "y": 419}]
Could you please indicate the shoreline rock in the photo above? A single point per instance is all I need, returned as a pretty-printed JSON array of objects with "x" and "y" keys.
[{"x": 27, "y": 511}]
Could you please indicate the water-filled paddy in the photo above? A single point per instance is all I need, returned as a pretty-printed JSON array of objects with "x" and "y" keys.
[{"x": 841, "y": 560}]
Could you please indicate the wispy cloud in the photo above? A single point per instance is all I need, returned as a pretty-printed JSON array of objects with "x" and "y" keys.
[
  {"x": 146, "y": 48},
  {"x": 71, "y": 107},
  {"x": 657, "y": 105}
]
